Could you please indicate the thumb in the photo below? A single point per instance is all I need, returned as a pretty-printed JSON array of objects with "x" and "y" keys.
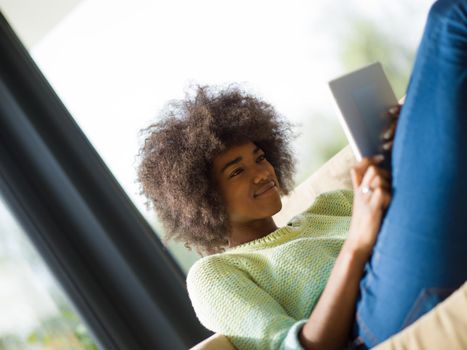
[
  {"x": 358, "y": 170},
  {"x": 356, "y": 177}
]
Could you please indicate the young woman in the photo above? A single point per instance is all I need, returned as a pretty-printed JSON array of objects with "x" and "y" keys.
[{"x": 216, "y": 164}]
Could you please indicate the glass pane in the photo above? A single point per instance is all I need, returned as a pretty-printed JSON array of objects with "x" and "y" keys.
[
  {"x": 35, "y": 313},
  {"x": 115, "y": 63}
]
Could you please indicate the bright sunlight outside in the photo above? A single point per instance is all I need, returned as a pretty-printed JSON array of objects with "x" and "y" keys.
[{"x": 115, "y": 64}]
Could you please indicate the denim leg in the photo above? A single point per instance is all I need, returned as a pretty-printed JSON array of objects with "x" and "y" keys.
[{"x": 421, "y": 253}]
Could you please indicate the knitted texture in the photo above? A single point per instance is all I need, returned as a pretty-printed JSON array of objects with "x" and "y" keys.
[{"x": 255, "y": 292}]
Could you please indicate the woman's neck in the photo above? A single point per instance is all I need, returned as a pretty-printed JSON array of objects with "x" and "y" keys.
[{"x": 246, "y": 232}]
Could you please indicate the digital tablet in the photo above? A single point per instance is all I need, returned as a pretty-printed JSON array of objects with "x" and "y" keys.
[{"x": 363, "y": 98}]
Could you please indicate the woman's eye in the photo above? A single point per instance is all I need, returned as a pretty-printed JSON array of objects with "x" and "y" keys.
[
  {"x": 261, "y": 158},
  {"x": 236, "y": 172}
]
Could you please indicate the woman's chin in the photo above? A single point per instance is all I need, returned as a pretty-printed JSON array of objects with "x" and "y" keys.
[{"x": 275, "y": 206}]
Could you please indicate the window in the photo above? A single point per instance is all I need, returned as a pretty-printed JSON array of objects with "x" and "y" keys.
[
  {"x": 36, "y": 313},
  {"x": 128, "y": 290},
  {"x": 115, "y": 63}
]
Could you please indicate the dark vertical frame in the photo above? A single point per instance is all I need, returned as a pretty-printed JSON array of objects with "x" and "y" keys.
[{"x": 124, "y": 283}]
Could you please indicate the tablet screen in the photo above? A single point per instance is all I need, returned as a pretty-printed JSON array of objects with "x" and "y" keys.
[{"x": 363, "y": 98}]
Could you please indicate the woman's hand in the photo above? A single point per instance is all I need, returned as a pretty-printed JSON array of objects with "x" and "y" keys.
[
  {"x": 388, "y": 135},
  {"x": 369, "y": 206},
  {"x": 372, "y": 194}
]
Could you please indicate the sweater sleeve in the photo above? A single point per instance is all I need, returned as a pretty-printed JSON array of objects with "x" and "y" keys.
[{"x": 228, "y": 302}]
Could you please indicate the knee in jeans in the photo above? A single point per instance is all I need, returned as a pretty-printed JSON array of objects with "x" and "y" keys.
[{"x": 449, "y": 9}]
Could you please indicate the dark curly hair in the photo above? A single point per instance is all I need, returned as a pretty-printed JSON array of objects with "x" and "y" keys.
[{"x": 175, "y": 160}]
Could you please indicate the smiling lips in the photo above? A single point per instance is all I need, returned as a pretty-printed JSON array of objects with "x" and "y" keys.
[{"x": 265, "y": 188}]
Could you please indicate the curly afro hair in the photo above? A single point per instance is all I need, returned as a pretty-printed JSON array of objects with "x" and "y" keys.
[{"x": 175, "y": 160}]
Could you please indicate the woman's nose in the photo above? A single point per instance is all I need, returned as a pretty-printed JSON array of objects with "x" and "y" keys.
[{"x": 260, "y": 175}]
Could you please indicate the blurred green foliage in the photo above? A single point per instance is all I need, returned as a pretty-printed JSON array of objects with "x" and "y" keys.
[
  {"x": 364, "y": 42},
  {"x": 63, "y": 331},
  {"x": 361, "y": 43}
]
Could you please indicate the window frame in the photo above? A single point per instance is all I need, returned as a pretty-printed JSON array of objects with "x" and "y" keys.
[{"x": 132, "y": 294}]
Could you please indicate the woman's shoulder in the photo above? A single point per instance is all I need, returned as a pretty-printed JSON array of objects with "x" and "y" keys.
[
  {"x": 209, "y": 268},
  {"x": 205, "y": 263},
  {"x": 332, "y": 203},
  {"x": 337, "y": 202},
  {"x": 211, "y": 278},
  {"x": 342, "y": 194}
]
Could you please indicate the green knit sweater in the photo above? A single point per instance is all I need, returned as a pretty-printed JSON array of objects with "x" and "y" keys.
[{"x": 260, "y": 292}]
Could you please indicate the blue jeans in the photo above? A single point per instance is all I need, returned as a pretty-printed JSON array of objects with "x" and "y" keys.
[{"x": 421, "y": 253}]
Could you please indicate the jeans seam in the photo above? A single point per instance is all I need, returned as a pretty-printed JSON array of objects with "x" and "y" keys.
[
  {"x": 425, "y": 293},
  {"x": 366, "y": 331}
]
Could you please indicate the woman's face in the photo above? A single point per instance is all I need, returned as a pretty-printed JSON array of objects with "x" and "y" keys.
[{"x": 247, "y": 182}]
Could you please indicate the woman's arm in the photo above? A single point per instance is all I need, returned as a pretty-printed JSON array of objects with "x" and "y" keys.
[
  {"x": 329, "y": 324},
  {"x": 227, "y": 301}
]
